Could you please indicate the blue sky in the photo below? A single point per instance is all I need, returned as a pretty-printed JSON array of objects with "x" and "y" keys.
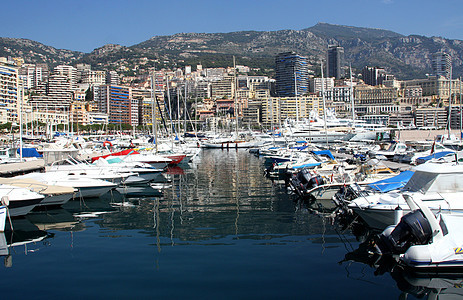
[{"x": 86, "y": 25}]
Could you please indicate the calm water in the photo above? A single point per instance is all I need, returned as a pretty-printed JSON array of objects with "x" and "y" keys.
[{"x": 220, "y": 230}]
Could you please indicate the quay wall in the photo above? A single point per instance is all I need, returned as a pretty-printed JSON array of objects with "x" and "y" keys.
[{"x": 423, "y": 135}]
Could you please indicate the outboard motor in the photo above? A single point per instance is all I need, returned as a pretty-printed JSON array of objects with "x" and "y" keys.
[
  {"x": 413, "y": 229},
  {"x": 304, "y": 180}
]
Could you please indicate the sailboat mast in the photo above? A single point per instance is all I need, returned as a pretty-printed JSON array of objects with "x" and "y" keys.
[
  {"x": 178, "y": 110},
  {"x": 295, "y": 93},
  {"x": 450, "y": 102},
  {"x": 185, "y": 111},
  {"x": 461, "y": 116},
  {"x": 234, "y": 96},
  {"x": 153, "y": 109},
  {"x": 352, "y": 96},
  {"x": 324, "y": 104},
  {"x": 21, "y": 124}
]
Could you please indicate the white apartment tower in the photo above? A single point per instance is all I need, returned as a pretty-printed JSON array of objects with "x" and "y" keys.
[
  {"x": 442, "y": 64},
  {"x": 70, "y": 72}
]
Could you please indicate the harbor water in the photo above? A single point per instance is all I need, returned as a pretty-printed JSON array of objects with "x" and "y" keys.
[{"x": 218, "y": 230}]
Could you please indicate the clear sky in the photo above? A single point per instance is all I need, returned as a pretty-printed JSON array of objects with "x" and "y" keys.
[{"x": 84, "y": 25}]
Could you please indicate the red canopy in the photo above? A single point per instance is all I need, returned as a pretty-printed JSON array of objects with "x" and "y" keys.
[{"x": 121, "y": 153}]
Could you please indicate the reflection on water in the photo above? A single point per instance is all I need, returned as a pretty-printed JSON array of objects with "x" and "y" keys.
[{"x": 217, "y": 227}]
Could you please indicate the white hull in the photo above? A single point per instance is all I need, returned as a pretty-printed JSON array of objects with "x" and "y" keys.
[
  {"x": 3, "y": 213},
  {"x": 382, "y": 218}
]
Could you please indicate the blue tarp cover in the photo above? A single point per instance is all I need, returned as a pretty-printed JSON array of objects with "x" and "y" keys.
[
  {"x": 392, "y": 183},
  {"x": 300, "y": 148},
  {"x": 30, "y": 152},
  {"x": 423, "y": 159},
  {"x": 324, "y": 152}
]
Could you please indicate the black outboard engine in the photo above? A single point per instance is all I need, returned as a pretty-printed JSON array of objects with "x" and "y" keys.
[
  {"x": 413, "y": 229},
  {"x": 304, "y": 181}
]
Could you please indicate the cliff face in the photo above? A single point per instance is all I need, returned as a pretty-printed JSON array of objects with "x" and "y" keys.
[{"x": 405, "y": 56}]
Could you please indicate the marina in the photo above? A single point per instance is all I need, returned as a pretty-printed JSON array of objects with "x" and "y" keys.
[{"x": 216, "y": 226}]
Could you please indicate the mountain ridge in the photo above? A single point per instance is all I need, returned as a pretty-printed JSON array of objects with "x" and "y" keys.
[{"x": 405, "y": 56}]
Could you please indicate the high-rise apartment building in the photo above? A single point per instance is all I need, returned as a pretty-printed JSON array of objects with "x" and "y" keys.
[
  {"x": 373, "y": 76},
  {"x": 31, "y": 75},
  {"x": 291, "y": 74},
  {"x": 442, "y": 64},
  {"x": 118, "y": 103},
  {"x": 112, "y": 78},
  {"x": 335, "y": 62},
  {"x": 9, "y": 90},
  {"x": 70, "y": 72},
  {"x": 59, "y": 89},
  {"x": 94, "y": 77}
]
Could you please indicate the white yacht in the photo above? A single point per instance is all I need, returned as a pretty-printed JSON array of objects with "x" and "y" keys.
[
  {"x": 55, "y": 195},
  {"x": 87, "y": 187},
  {"x": 20, "y": 201},
  {"x": 438, "y": 185}
]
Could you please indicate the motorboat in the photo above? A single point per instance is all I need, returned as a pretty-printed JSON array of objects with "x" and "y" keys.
[
  {"x": 72, "y": 167},
  {"x": 156, "y": 161},
  {"x": 55, "y": 195},
  {"x": 423, "y": 240},
  {"x": 20, "y": 201},
  {"x": 143, "y": 171},
  {"x": 395, "y": 148},
  {"x": 87, "y": 187},
  {"x": 438, "y": 185}
]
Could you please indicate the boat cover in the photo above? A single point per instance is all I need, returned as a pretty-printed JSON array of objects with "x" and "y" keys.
[
  {"x": 37, "y": 186},
  {"x": 121, "y": 153},
  {"x": 324, "y": 152},
  {"x": 30, "y": 152},
  {"x": 392, "y": 183},
  {"x": 436, "y": 155}
]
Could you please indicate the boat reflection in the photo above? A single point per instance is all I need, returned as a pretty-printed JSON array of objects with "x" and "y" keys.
[
  {"x": 24, "y": 238},
  {"x": 55, "y": 219}
]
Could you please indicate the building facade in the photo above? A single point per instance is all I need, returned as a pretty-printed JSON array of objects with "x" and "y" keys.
[
  {"x": 441, "y": 64},
  {"x": 9, "y": 90},
  {"x": 335, "y": 62},
  {"x": 292, "y": 75}
]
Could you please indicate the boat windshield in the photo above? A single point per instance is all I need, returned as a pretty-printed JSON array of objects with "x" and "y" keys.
[{"x": 433, "y": 182}]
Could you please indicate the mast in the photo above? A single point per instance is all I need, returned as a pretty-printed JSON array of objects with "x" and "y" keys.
[
  {"x": 295, "y": 93},
  {"x": 352, "y": 96},
  {"x": 178, "y": 112},
  {"x": 324, "y": 104},
  {"x": 153, "y": 110},
  {"x": 185, "y": 109},
  {"x": 170, "y": 112},
  {"x": 461, "y": 117},
  {"x": 234, "y": 96},
  {"x": 450, "y": 102},
  {"x": 21, "y": 124}
]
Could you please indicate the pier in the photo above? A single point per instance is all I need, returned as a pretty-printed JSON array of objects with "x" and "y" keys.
[{"x": 18, "y": 168}]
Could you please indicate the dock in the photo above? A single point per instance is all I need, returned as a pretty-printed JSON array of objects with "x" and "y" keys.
[{"x": 19, "y": 168}]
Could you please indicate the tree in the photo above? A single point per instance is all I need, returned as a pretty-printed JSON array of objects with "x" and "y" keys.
[{"x": 89, "y": 95}]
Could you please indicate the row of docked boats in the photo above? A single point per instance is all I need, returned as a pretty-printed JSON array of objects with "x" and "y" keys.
[
  {"x": 417, "y": 213},
  {"x": 129, "y": 171}
]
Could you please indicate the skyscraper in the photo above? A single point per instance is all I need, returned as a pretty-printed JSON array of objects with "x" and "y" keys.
[
  {"x": 9, "y": 90},
  {"x": 373, "y": 75},
  {"x": 291, "y": 69},
  {"x": 442, "y": 64},
  {"x": 335, "y": 62}
]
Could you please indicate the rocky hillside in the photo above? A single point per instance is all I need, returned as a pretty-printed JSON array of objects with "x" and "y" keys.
[{"x": 405, "y": 56}]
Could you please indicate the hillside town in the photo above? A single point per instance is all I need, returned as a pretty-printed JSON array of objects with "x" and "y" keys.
[{"x": 73, "y": 97}]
